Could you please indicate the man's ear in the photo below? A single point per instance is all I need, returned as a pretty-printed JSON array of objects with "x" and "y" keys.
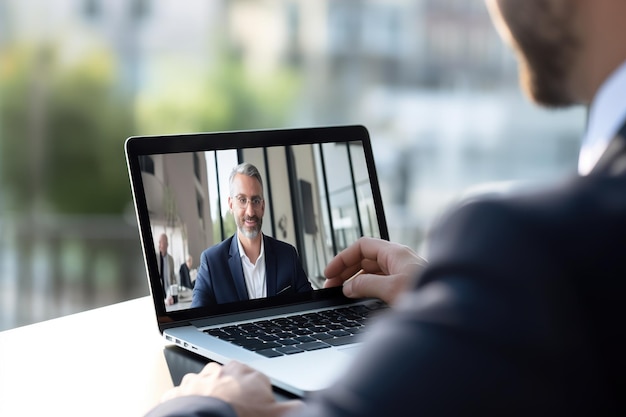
[{"x": 230, "y": 203}]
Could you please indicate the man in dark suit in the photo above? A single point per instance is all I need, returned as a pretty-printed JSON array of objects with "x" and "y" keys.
[
  {"x": 520, "y": 308},
  {"x": 249, "y": 264},
  {"x": 185, "y": 272},
  {"x": 166, "y": 269}
]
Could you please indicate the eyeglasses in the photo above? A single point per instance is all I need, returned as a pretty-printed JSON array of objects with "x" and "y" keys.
[{"x": 242, "y": 202}]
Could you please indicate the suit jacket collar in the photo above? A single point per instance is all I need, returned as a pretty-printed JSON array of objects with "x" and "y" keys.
[
  {"x": 613, "y": 160},
  {"x": 271, "y": 266}
]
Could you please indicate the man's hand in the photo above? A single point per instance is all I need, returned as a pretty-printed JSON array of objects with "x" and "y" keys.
[
  {"x": 388, "y": 269},
  {"x": 248, "y": 391}
]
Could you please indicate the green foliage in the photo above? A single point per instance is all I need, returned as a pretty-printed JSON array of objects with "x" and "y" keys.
[
  {"x": 63, "y": 123},
  {"x": 62, "y": 128},
  {"x": 228, "y": 98}
]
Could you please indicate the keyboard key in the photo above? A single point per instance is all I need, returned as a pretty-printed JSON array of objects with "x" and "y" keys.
[
  {"x": 302, "y": 339},
  {"x": 320, "y": 329},
  {"x": 288, "y": 341},
  {"x": 313, "y": 345},
  {"x": 322, "y": 336},
  {"x": 249, "y": 327},
  {"x": 262, "y": 345},
  {"x": 360, "y": 309},
  {"x": 217, "y": 333},
  {"x": 268, "y": 337},
  {"x": 284, "y": 335},
  {"x": 289, "y": 350},
  {"x": 338, "y": 333},
  {"x": 244, "y": 340},
  {"x": 269, "y": 353},
  {"x": 340, "y": 341}
]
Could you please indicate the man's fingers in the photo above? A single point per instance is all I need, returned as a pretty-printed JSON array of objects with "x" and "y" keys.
[
  {"x": 338, "y": 269},
  {"x": 348, "y": 261},
  {"x": 371, "y": 266},
  {"x": 236, "y": 368},
  {"x": 385, "y": 287},
  {"x": 210, "y": 368}
]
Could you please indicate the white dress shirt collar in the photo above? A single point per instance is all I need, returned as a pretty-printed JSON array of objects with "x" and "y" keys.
[
  {"x": 254, "y": 273},
  {"x": 606, "y": 115}
]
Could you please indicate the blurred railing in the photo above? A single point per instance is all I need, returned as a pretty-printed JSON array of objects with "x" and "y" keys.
[{"x": 54, "y": 266}]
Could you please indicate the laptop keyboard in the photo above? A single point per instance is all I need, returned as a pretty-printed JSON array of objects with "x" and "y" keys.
[{"x": 299, "y": 333}]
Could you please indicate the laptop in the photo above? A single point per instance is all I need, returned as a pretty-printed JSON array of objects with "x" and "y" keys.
[{"x": 321, "y": 194}]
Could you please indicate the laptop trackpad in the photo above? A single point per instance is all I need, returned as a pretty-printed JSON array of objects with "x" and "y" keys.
[{"x": 308, "y": 372}]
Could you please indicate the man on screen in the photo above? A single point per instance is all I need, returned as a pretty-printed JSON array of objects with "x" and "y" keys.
[{"x": 249, "y": 264}]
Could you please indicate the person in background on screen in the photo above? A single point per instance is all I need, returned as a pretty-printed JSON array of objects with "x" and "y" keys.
[
  {"x": 249, "y": 264},
  {"x": 185, "y": 273},
  {"x": 165, "y": 263},
  {"x": 519, "y": 311}
]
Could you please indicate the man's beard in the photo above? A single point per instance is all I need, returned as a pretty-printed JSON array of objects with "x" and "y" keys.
[
  {"x": 546, "y": 48},
  {"x": 249, "y": 232}
]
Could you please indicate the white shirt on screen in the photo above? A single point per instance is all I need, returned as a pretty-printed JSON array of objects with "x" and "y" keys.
[{"x": 254, "y": 274}]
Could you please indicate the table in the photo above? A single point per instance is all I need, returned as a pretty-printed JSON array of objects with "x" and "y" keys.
[
  {"x": 184, "y": 300},
  {"x": 111, "y": 361}
]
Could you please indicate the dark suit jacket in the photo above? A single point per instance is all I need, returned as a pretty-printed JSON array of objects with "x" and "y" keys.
[
  {"x": 220, "y": 276},
  {"x": 172, "y": 276},
  {"x": 185, "y": 277},
  {"x": 520, "y": 312}
]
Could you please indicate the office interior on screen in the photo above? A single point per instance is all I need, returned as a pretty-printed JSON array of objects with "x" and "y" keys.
[{"x": 318, "y": 198}]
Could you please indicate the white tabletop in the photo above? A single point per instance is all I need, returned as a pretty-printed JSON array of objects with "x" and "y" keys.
[{"x": 103, "y": 362}]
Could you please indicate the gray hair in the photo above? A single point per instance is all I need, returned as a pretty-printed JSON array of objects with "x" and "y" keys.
[{"x": 246, "y": 169}]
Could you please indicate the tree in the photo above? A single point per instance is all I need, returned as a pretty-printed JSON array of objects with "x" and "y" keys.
[
  {"x": 62, "y": 129},
  {"x": 228, "y": 98}
]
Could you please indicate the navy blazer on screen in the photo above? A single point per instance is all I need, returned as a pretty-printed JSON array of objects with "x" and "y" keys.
[{"x": 220, "y": 276}]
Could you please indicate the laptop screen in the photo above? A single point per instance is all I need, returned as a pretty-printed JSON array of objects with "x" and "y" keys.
[{"x": 318, "y": 194}]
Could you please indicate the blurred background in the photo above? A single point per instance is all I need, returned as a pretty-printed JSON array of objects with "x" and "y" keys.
[{"x": 430, "y": 79}]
